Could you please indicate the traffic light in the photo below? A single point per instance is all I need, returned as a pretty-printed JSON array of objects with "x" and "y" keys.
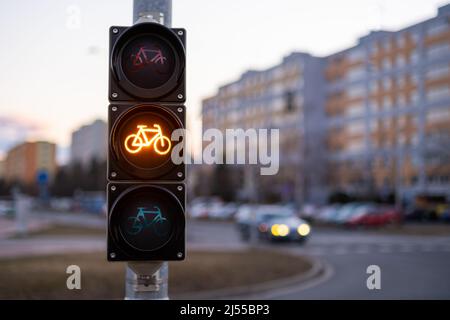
[{"x": 146, "y": 192}]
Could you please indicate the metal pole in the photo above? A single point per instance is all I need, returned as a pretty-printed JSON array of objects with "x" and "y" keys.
[
  {"x": 143, "y": 7},
  {"x": 149, "y": 280}
]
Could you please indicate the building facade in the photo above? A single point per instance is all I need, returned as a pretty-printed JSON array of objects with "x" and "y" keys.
[
  {"x": 388, "y": 111},
  {"x": 24, "y": 162},
  {"x": 89, "y": 142},
  {"x": 372, "y": 119},
  {"x": 276, "y": 98}
]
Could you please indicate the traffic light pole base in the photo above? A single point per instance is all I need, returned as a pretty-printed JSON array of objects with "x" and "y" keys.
[{"x": 147, "y": 281}]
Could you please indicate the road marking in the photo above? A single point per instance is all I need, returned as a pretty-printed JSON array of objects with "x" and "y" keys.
[
  {"x": 405, "y": 248},
  {"x": 362, "y": 250},
  {"x": 427, "y": 248},
  {"x": 341, "y": 251},
  {"x": 385, "y": 249}
]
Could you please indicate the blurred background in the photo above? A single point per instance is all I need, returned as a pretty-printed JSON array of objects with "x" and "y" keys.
[{"x": 360, "y": 91}]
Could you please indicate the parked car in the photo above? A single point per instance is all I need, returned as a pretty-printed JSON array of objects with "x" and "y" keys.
[
  {"x": 6, "y": 208},
  {"x": 327, "y": 212},
  {"x": 222, "y": 211},
  {"x": 361, "y": 214},
  {"x": 203, "y": 207},
  {"x": 345, "y": 212},
  {"x": 309, "y": 212},
  {"x": 379, "y": 216}
]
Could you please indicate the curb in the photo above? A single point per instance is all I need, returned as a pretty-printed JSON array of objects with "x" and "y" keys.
[{"x": 318, "y": 273}]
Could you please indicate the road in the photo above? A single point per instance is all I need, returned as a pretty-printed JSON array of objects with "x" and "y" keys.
[{"x": 412, "y": 267}]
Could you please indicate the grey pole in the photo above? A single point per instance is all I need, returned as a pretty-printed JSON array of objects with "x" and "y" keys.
[
  {"x": 143, "y": 7},
  {"x": 149, "y": 280}
]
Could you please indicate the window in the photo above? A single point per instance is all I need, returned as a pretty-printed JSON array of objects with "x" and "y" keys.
[
  {"x": 437, "y": 27},
  {"x": 400, "y": 62},
  {"x": 400, "y": 40},
  {"x": 373, "y": 86},
  {"x": 435, "y": 115},
  {"x": 356, "y": 54},
  {"x": 356, "y": 91},
  {"x": 289, "y": 101},
  {"x": 414, "y": 98},
  {"x": 355, "y": 109},
  {"x": 355, "y": 73},
  {"x": 414, "y": 79},
  {"x": 401, "y": 101},
  {"x": 438, "y": 50},
  {"x": 387, "y": 103},
  {"x": 414, "y": 57},
  {"x": 355, "y": 145},
  {"x": 387, "y": 84},
  {"x": 356, "y": 127},
  {"x": 400, "y": 81},
  {"x": 437, "y": 71},
  {"x": 415, "y": 38},
  {"x": 438, "y": 93}
]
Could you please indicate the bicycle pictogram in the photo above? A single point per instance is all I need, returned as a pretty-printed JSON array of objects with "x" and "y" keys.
[
  {"x": 136, "y": 141},
  {"x": 158, "y": 223},
  {"x": 144, "y": 58}
]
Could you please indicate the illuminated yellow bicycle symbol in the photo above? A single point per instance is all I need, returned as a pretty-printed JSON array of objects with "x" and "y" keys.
[{"x": 136, "y": 141}]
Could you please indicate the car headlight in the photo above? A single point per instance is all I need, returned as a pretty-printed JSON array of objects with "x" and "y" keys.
[
  {"x": 274, "y": 230},
  {"x": 303, "y": 229},
  {"x": 283, "y": 230}
]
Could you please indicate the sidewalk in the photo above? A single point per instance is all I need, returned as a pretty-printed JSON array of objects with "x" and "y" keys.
[{"x": 8, "y": 226}]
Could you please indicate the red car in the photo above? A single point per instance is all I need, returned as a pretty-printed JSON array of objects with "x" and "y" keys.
[
  {"x": 379, "y": 216},
  {"x": 391, "y": 215}
]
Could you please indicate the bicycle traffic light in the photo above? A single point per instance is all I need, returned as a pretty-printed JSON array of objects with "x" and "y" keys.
[
  {"x": 146, "y": 192},
  {"x": 147, "y": 63}
]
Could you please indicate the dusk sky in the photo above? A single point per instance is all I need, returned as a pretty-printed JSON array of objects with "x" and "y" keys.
[{"x": 54, "y": 57}]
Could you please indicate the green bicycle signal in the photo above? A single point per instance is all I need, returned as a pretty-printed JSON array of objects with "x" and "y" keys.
[{"x": 140, "y": 222}]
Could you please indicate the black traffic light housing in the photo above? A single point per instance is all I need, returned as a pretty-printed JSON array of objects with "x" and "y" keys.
[
  {"x": 121, "y": 166},
  {"x": 128, "y": 236},
  {"x": 125, "y": 83},
  {"x": 145, "y": 191}
]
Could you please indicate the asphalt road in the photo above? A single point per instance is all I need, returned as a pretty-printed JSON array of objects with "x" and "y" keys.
[{"x": 412, "y": 267}]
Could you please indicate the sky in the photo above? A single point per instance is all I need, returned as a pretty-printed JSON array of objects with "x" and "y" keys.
[{"x": 54, "y": 54}]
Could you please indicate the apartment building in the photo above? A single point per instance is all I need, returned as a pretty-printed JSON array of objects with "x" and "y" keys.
[
  {"x": 24, "y": 162},
  {"x": 371, "y": 119},
  {"x": 276, "y": 98},
  {"x": 89, "y": 142},
  {"x": 388, "y": 111}
]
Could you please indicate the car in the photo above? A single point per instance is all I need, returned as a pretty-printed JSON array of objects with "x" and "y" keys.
[
  {"x": 445, "y": 216},
  {"x": 255, "y": 220},
  {"x": 203, "y": 207},
  {"x": 360, "y": 214},
  {"x": 222, "y": 211},
  {"x": 345, "y": 212},
  {"x": 7, "y": 208},
  {"x": 379, "y": 216},
  {"x": 327, "y": 212},
  {"x": 198, "y": 210},
  {"x": 390, "y": 215},
  {"x": 286, "y": 228},
  {"x": 309, "y": 212}
]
